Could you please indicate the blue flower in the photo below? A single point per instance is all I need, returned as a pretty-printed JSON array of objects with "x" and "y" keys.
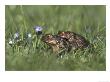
[
  {"x": 16, "y": 35},
  {"x": 38, "y": 28}
]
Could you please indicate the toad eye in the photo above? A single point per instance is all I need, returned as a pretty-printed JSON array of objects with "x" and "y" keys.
[
  {"x": 61, "y": 33},
  {"x": 49, "y": 36}
]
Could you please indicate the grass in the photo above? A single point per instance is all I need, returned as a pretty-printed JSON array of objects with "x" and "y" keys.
[{"x": 89, "y": 21}]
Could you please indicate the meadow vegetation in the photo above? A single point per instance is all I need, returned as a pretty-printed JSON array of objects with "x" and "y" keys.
[{"x": 89, "y": 21}]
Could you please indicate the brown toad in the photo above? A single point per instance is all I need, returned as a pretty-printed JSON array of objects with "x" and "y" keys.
[
  {"x": 57, "y": 43},
  {"x": 75, "y": 40}
]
